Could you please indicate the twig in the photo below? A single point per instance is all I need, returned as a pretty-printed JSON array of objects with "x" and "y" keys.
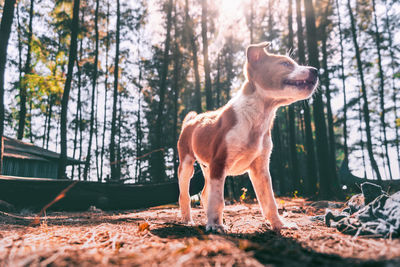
[{"x": 36, "y": 220}]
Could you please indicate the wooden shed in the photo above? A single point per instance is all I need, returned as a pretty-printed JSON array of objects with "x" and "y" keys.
[{"x": 27, "y": 160}]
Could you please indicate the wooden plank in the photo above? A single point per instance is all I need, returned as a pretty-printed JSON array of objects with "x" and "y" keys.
[{"x": 35, "y": 193}]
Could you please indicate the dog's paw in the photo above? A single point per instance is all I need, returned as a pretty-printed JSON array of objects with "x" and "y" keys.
[
  {"x": 188, "y": 221},
  {"x": 280, "y": 224},
  {"x": 290, "y": 225},
  {"x": 216, "y": 228}
]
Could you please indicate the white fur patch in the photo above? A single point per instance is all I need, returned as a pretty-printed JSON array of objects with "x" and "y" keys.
[
  {"x": 215, "y": 202},
  {"x": 249, "y": 110},
  {"x": 299, "y": 73}
]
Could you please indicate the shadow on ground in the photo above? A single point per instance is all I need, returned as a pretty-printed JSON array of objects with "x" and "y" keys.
[{"x": 269, "y": 247}]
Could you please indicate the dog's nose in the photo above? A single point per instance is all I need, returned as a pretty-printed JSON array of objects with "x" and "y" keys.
[{"x": 314, "y": 71}]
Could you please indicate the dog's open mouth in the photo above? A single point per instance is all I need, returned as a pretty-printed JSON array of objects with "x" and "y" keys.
[{"x": 302, "y": 84}]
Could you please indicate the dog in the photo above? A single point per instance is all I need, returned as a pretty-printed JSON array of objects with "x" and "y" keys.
[{"x": 236, "y": 138}]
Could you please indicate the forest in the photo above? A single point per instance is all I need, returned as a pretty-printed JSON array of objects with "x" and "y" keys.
[{"x": 109, "y": 83}]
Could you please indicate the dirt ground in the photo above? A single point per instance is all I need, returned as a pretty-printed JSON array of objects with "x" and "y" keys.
[{"x": 154, "y": 237}]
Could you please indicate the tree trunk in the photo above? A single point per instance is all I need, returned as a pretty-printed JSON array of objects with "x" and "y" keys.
[
  {"x": 67, "y": 88},
  {"x": 176, "y": 89},
  {"x": 5, "y": 29},
  {"x": 189, "y": 31},
  {"x": 364, "y": 95},
  {"x": 51, "y": 102},
  {"x": 94, "y": 83},
  {"x": 394, "y": 89},
  {"x": 292, "y": 122},
  {"x": 312, "y": 175},
  {"x": 96, "y": 133},
  {"x": 361, "y": 136},
  {"x": 30, "y": 120},
  {"x": 46, "y": 115},
  {"x": 228, "y": 69},
  {"x": 27, "y": 70},
  {"x": 328, "y": 185},
  {"x": 343, "y": 78},
  {"x": 326, "y": 82},
  {"x": 381, "y": 89},
  {"x": 78, "y": 110},
  {"x": 105, "y": 94},
  {"x": 139, "y": 135},
  {"x": 158, "y": 165},
  {"x": 78, "y": 114},
  {"x": 204, "y": 32},
  {"x": 113, "y": 163},
  {"x": 119, "y": 137},
  {"x": 251, "y": 21},
  {"x": 270, "y": 21},
  {"x": 218, "y": 83},
  {"x": 20, "y": 70},
  {"x": 285, "y": 185}
]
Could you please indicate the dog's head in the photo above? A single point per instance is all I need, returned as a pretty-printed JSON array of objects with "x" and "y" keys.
[{"x": 279, "y": 77}]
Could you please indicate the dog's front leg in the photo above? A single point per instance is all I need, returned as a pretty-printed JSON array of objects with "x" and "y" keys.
[
  {"x": 215, "y": 204},
  {"x": 261, "y": 180}
]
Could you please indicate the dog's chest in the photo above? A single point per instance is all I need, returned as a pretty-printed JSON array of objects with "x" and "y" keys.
[{"x": 246, "y": 142}]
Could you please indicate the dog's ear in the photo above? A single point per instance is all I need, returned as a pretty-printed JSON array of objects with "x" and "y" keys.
[{"x": 256, "y": 52}]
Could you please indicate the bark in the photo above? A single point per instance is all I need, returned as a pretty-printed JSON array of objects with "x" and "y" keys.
[
  {"x": 328, "y": 184},
  {"x": 343, "y": 78},
  {"x": 51, "y": 102},
  {"x": 5, "y": 29},
  {"x": 176, "y": 89},
  {"x": 364, "y": 94},
  {"x": 78, "y": 110},
  {"x": 285, "y": 185},
  {"x": 113, "y": 163},
  {"x": 20, "y": 70},
  {"x": 394, "y": 89},
  {"x": 251, "y": 21},
  {"x": 78, "y": 113},
  {"x": 27, "y": 71},
  {"x": 326, "y": 82},
  {"x": 45, "y": 122},
  {"x": 361, "y": 136},
  {"x": 204, "y": 32},
  {"x": 381, "y": 89},
  {"x": 94, "y": 83},
  {"x": 67, "y": 88},
  {"x": 228, "y": 69},
  {"x": 96, "y": 132},
  {"x": 218, "y": 82},
  {"x": 312, "y": 175},
  {"x": 105, "y": 94},
  {"x": 192, "y": 40},
  {"x": 270, "y": 22},
  {"x": 139, "y": 135},
  {"x": 158, "y": 166},
  {"x": 119, "y": 137},
  {"x": 30, "y": 121},
  {"x": 292, "y": 122}
]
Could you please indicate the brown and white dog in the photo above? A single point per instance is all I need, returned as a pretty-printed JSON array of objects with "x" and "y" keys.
[{"x": 237, "y": 137}]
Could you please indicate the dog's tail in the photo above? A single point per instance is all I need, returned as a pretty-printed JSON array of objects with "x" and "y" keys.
[{"x": 191, "y": 115}]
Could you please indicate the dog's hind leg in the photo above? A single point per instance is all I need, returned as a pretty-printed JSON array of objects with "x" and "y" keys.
[
  {"x": 185, "y": 173},
  {"x": 204, "y": 193}
]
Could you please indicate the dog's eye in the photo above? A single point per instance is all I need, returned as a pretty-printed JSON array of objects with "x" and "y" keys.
[{"x": 286, "y": 64}]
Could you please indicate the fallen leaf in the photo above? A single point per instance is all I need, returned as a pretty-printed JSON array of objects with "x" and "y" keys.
[{"x": 143, "y": 226}]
